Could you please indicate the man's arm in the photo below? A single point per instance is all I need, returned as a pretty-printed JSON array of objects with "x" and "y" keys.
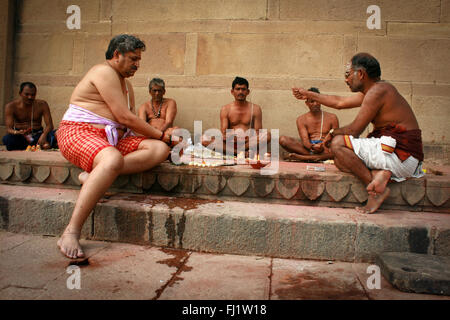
[
  {"x": 9, "y": 119},
  {"x": 48, "y": 123},
  {"x": 142, "y": 113},
  {"x": 171, "y": 112},
  {"x": 224, "y": 122},
  {"x": 257, "y": 114},
  {"x": 372, "y": 103},
  {"x": 335, "y": 102},
  {"x": 303, "y": 132}
]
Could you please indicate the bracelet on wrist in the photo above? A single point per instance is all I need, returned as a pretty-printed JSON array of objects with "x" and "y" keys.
[{"x": 162, "y": 135}]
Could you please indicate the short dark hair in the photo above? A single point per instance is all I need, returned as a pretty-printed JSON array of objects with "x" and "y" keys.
[
  {"x": 239, "y": 80},
  {"x": 368, "y": 62},
  {"x": 314, "y": 89},
  {"x": 124, "y": 43},
  {"x": 27, "y": 84}
]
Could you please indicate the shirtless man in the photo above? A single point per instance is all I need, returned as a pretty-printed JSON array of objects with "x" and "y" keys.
[
  {"x": 159, "y": 112},
  {"x": 95, "y": 133},
  {"x": 23, "y": 118},
  {"x": 240, "y": 114},
  {"x": 393, "y": 150},
  {"x": 312, "y": 129}
]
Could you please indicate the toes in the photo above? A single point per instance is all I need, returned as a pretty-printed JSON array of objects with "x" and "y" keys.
[{"x": 80, "y": 254}]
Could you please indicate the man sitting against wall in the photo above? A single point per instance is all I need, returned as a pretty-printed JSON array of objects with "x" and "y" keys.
[{"x": 23, "y": 118}]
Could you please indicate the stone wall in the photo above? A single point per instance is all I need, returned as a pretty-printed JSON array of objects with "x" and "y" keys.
[{"x": 198, "y": 47}]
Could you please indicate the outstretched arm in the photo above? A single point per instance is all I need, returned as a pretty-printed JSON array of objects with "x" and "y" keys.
[
  {"x": 335, "y": 102},
  {"x": 372, "y": 103}
]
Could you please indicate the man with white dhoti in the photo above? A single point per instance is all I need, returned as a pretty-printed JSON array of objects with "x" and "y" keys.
[{"x": 393, "y": 150}]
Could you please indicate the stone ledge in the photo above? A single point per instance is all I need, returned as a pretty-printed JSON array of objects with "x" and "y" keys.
[
  {"x": 293, "y": 184},
  {"x": 229, "y": 227}
]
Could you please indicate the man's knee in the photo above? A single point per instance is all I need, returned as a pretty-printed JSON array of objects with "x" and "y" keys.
[
  {"x": 110, "y": 158},
  {"x": 337, "y": 142},
  {"x": 283, "y": 141},
  {"x": 158, "y": 148}
]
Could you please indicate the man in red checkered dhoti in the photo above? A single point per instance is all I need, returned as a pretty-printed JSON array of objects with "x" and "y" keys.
[{"x": 96, "y": 133}]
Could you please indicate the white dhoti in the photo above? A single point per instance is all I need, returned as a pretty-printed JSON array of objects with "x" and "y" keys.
[{"x": 376, "y": 155}]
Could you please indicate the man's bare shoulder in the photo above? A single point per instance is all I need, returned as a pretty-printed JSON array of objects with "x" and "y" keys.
[
  {"x": 303, "y": 117},
  {"x": 256, "y": 107},
  {"x": 170, "y": 101},
  {"x": 100, "y": 70},
  {"x": 12, "y": 104},
  {"x": 329, "y": 115}
]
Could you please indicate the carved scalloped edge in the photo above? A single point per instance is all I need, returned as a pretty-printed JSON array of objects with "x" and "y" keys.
[
  {"x": 6, "y": 171},
  {"x": 412, "y": 193},
  {"x": 168, "y": 181},
  {"x": 22, "y": 171},
  {"x": 60, "y": 173},
  {"x": 319, "y": 187},
  {"x": 266, "y": 192},
  {"x": 286, "y": 192},
  {"x": 238, "y": 185},
  {"x": 214, "y": 184},
  {"x": 41, "y": 173},
  {"x": 337, "y": 190}
]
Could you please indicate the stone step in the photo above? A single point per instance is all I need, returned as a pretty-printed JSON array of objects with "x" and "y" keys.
[
  {"x": 293, "y": 183},
  {"x": 274, "y": 230}
]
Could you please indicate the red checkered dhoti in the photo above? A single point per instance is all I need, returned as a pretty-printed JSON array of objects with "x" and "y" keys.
[{"x": 80, "y": 142}]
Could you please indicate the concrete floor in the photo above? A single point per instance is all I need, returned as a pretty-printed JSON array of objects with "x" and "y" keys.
[{"x": 31, "y": 267}]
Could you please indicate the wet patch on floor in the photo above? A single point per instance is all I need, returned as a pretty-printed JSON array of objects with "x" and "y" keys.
[
  {"x": 318, "y": 286},
  {"x": 178, "y": 261}
]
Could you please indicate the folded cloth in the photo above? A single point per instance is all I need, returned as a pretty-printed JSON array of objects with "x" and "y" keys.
[
  {"x": 375, "y": 156},
  {"x": 79, "y": 114},
  {"x": 408, "y": 142}
]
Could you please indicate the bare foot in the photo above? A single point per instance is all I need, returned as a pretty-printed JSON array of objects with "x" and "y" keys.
[
  {"x": 374, "y": 202},
  {"x": 70, "y": 246},
  {"x": 379, "y": 182},
  {"x": 83, "y": 177}
]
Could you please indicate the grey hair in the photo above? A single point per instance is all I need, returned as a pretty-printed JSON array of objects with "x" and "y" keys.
[
  {"x": 124, "y": 43},
  {"x": 158, "y": 82}
]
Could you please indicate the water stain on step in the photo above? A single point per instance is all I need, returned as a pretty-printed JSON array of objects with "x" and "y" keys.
[{"x": 183, "y": 203}]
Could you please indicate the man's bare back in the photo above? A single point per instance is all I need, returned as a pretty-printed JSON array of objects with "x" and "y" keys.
[{"x": 393, "y": 108}]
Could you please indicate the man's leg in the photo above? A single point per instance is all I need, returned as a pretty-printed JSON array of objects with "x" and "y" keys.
[
  {"x": 108, "y": 164},
  {"x": 347, "y": 161},
  {"x": 15, "y": 142},
  {"x": 293, "y": 145}
]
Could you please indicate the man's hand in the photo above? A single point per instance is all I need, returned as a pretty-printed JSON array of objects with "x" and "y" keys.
[
  {"x": 317, "y": 148},
  {"x": 42, "y": 140},
  {"x": 299, "y": 93}
]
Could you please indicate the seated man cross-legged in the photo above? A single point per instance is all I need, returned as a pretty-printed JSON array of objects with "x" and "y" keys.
[
  {"x": 23, "y": 118},
  {"x": 240, "y": 116},
  {"x": 312, "y": 127}
]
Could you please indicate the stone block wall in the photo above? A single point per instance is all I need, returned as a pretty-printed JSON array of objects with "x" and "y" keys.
[{"x": 198, "y": 47}]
